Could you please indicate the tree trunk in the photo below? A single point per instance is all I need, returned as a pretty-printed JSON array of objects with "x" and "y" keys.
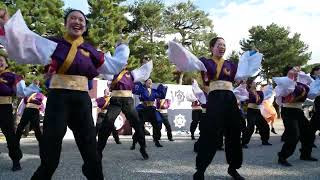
[{"x": 181, "y": 78}]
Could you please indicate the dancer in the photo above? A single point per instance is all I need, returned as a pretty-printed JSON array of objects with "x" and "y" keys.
[
  {"x": 8, "y": 82},
  {"x": 103, "y": 103},
  {"x": 223, "y": 114},
  {"x": 34, "y": 101},
  {"x": 121, "y": 100},
  {"x": 73, "y": 63},
  {"x": 254, "y": 117},
  {"x": 162, "y": 107},
  {"x": 147, "y": 110},
  {"x": 315, "y": 119},
  {"x": 290, "y": 95}
]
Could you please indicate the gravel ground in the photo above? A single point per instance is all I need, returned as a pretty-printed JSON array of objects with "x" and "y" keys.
[{"x": 175, "y": 160}]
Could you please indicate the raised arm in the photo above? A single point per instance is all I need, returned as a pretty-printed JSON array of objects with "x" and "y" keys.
[
  {"x": 268, "y": 92},
  {"x": 23, "y": 90},
  {"x": 114, "y": 64},
  {"x": 249, "y": 65},
  {"x": 183, "y": 59},
  {"x": 23, "y": 45},
  {"x": 142, "y": 73},
  {"x": 314, "y": 89},
  {"x": 138, "y": 88},
  {"x": 161, "y": 91}
]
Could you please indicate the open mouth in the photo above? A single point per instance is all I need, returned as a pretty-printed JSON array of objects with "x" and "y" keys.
[
  {"x": 76, "y": 28},
  {"x": 221, "y": 51}
]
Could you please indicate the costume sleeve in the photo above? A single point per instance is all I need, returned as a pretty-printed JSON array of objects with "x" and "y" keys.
[
  {"x": 138, "y": 88},
  {"x": 21, "y": 108},
  {"x": 114, "y": 64},
  {"x": 25, "y": 46},
  {"x": 142, "y": 73},
  {"x": 161, "y": 91},
  {"x": 267, "y": 92},
  {"x": 241, "y": 92},
  {"x": 199, "y": 94},
  {"x": 314, "y": 89},
  {"x": 23, "y": 90},
  {"x": 304, "y": 78},
  {"x": 249, "y": 65},
  {"x": 183, "y": 59}
]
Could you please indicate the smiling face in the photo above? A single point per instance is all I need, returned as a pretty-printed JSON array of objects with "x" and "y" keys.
[
  {"x": 219, "y": 48},
  {"x": 3, "y": 64},
  {"x": 75, "y": 24}
]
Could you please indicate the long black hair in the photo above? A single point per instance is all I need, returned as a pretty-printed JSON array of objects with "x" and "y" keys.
[
  {"x": 213, "y": 41},
  {"x": 69, "y": 11},
  {"x": 286, "y": 70},
  {"x": 313, "y": 70}
]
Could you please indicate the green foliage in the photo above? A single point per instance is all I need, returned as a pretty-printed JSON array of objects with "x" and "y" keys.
[
  {"x": 147, "y": 19},
  {"x": 194, "y": 27},
  {"x": 278, "y": 46},
  {"x": 307, "y": 68},
  {"x": 44, "y": 18},
  {"x": 234, "y": 56},
  {"x": 107, "y": 22}
]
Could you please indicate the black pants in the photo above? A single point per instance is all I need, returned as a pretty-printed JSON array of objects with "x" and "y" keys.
[
  {"x": 223, "y": 115},
  {"x": 118, "y": 104},
  {"x": 148, "y": 114},
  {"x": 315, "y": 119},
  {"x": 254, "y": 118},
  {"x": 100, "y": 118},
  {"x": 297, "y": 127},
  {"x": 7, "y": 128},
  {"x": 73, "y": 109},
  {"x": 166, "y": 124},
  {"x": 196, "y": 116},
  {"x": 29, "y": 115}
]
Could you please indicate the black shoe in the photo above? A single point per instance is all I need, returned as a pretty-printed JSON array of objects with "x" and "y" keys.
[
  {"x": 266, "y": 143},
  {"x": 158, "y": 144},
  {"x": 144, "y": 153},
  {"x": 198, "y": 176},
  {"x": 170, "y": 139},
  {"x": 192, "y": 137},
  {"x": 16, "y": 166},
  {"x": 244, "y": 146},
  {"x": 220, "y": 149},
  {"x": 273, "y": 131},
  {"x": 314, "y": 146},
  {"x": 133, "y": 147},
  {"x": 234, "y": 173},
  {"x": 308, "y": 158},
  {"x": 118, "y": 142},
  {"x": 284, "y": 162}
]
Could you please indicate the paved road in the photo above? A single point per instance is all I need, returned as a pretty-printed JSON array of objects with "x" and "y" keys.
[{"x": 172, "y": 162}]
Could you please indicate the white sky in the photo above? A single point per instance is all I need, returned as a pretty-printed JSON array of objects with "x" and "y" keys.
[{"x": 233, "y": 18}]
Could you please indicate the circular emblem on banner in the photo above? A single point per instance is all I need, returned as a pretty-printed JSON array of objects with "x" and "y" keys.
[{"x": 179, "y": 121}]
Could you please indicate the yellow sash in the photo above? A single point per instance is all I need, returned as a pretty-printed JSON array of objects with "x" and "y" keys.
[
  {"x": 114, "y": 82},
  {"x": 71, "y": 54},
  {"x": 162, "y": 101},
  {"x": 219, "y": 67},
  {"x": 31, "y": 97},
  {"x": 2, "y": 80},
  {"x": 107, "y": 102}
]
